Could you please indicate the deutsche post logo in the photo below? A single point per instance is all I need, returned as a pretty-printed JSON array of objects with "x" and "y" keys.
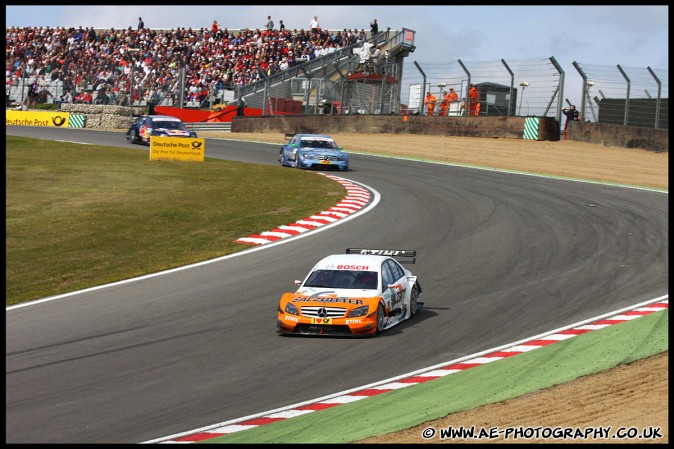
[{"x": 58, "y": 120}]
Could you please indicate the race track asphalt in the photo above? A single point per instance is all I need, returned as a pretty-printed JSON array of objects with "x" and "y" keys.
[{"x": 501, "y": 257}]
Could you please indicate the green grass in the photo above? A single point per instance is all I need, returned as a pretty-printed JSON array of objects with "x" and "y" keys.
[
  {"x": 486, "y": 384},
  {"x": 78, "y": 216}
]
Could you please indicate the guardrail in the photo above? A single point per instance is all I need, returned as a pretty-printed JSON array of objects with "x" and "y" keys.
[{"x": 209, "y": 126}]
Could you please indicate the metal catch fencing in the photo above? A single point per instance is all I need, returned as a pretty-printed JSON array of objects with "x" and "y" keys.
[
  {"x": 532, "y": 87},
  {"x": 625, "y": 96},
  {"x": 535, "y": 87}
]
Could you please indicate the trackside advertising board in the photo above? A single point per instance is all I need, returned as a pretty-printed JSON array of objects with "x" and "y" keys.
[
  {"x": 176, "y": 149},
  {"x": 39, "y": 118}
]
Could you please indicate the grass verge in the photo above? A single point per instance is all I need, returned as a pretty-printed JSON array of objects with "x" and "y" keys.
[{"x": 78, "y": 216}]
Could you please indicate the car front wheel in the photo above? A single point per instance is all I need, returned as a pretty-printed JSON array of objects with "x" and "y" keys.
[{"x": 381, "y": 319}]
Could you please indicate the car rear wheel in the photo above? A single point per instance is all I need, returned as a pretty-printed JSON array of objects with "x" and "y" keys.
[
  {"x": 414, "y": 297},
  {"x": 381, "y": 318}
]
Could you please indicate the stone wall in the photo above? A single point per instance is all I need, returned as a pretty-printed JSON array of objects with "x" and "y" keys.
[{"x": 105, "y": 117}]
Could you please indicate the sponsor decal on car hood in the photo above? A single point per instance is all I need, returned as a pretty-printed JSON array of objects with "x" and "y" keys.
[{"x": 322, "y": 296}]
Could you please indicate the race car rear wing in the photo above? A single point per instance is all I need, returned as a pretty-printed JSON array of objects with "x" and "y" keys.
[{"x": 395, "y": 253}]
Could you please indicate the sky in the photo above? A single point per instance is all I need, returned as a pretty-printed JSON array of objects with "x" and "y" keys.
[{"x": 629, "y": 35}]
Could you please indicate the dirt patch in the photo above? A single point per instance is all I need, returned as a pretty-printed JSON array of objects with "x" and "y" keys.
[
  {"x": 631, "y": 396},
  {"x": 564, "y": 158}
]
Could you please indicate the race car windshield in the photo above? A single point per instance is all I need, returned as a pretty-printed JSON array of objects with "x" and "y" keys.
[
  {"x": 362, "y": 280},
  {"x": 168, "y": 125},
  {"x": 311, "y": 143}
]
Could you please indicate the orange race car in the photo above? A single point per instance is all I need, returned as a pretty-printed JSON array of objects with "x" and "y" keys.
[{"x": 359, "y": 293}]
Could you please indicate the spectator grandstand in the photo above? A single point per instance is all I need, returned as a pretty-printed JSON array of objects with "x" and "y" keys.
[{"x": 137, "y": 66}]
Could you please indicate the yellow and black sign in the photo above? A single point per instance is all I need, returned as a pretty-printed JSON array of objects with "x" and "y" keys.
[
  {"x": 176, "y": 149},
  {"x": 39, "y": 118}
]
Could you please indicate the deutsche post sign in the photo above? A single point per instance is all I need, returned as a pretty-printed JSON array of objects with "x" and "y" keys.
[
  {"x": 40, "y": 118},
  {"x": 176, "y": 149}
]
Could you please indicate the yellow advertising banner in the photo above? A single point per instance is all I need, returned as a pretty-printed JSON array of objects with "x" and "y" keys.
[
  {"x": 37, "y": 118},
  {"x": 176, "y": 149}
]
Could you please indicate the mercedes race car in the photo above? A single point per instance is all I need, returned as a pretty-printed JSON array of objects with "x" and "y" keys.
[
  {"x": 360, "y": 293},
  {"x": 157, "y": 125},
  {"x": 313, "y": 151}
]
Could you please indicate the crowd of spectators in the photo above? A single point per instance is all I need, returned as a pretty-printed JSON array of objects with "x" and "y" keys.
[{"x": 113, "y": 64}]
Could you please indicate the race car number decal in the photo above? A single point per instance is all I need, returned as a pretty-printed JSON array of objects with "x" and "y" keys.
[
  {"x": 321, "y": 321},
  {"x": 325, "y": 162}
]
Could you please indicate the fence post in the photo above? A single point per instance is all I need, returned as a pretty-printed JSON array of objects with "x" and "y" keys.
[
  {"x": 422, "y": 94},
  {"x": 512, "y": 87},
  {"x": 467, "y": 87},
  {"x": 657, "y": 102},
  {"x": 627, "y": 95},
  {"x": 560, "y": 90},
  {"x": 584, "y": 94}
]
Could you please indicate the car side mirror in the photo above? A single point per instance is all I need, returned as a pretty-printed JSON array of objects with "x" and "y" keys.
[
  {"x": 297, "y": 282},
  {"x": 341, "y": 148}
]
